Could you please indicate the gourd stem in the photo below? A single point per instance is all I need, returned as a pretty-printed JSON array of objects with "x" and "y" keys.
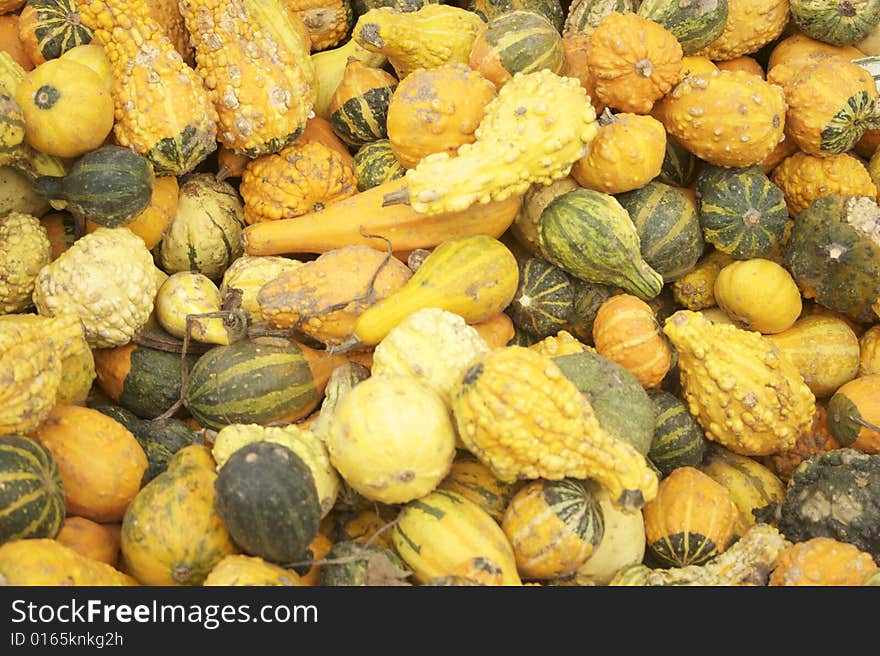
[
  {"x": 865, "y": 424},
  {"x": 399, "y": 197}
]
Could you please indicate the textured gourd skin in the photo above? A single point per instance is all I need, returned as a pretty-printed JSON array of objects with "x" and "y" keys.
[
  {"x": 750, "y": 25},
  {"x": 822, "y": 561},
  {"x": 799, "y": 48},
  {"x": 695, "y": 25},
  {"x": 433, "y": 35},
  {"x": 741, "y": 390},
  {"x": 838, "y": 25},
  {"x": 239, "y": 569},
  {"x": 41, "y": 561},
  {"x": 247, "y": 273},
  {"x": 696, "y": 290},
  {"x": 803, "y": 178},
  {"x": 162, "y": 109},
  {"x": 24, "y": 250},
  {"x": 813, "y": 442},
  {"x": 553, "y": 122},
  {"x": 727, "y": 118},
  {"x": 518, "y": 413},
  {"x": 585, "y": 15}
]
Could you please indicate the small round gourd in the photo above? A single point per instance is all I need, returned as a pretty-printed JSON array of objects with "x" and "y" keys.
[
  {"x": 678, "y": 440},
  {"x": 854, "y": 414},
  {"x": 475, "y": 481},
  {"x": 354, "y": 563},
  {"x": 50, "y": 28},
  {"x": 375, "y": 163},
  {"x": 359, "y": 107},
  {"x": 759, "y": 295},
  {"x": 837, "y": 23},
  {"x": 803, "y": 178},
  {"x": 543, "y": 299}
]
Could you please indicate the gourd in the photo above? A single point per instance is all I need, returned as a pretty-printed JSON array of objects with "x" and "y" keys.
[
  {"x": 359, "y": 107},
  {"x": 329, "y": 67},
  {"x": 442, "y": 531},
  {"x": 679, "y": 167},
  {"x": 246, "y": 274},
  {"x": 742, "y": 212},
  {"x": 152, "y": 223},
  {"x": 822, "y": 561},
  {"x": 552, "y": 10},
  {"x": 527, "y": 106},
  {"x": 839, "y": 25},
  {"x": 668, "y": 226},
  {"x": 526, "y": 224},
  {"x": 239, "y": 570},
  {"x": 591, "y": 236},
  {"x": 183, "y": 307},
  {"x": 554, "y": 527},
  {"x": 677, "y": 440},
  {"x": 341, "y": 380},
  {"x": 869, "y": 352},
  {"x": 543, "y": 299},
  {"x": 256, "y": 86},
  {"x": 749, "y": 26},
  {"x": 309, "y": 300},
  {"x": 12, "y": 128},
  {"x": 824, "y": 349},
  {"x": 696, "y": 290},
  {"x": 108, "y": 185},
  {"x": 585, "y": 15},
  {"x": 49, "y": 93},
  {"x": 267, "y": 499},
  {"x": 475, "y": 481},
  {"x": 626, "y": 331},
  {"x": 834, "y": 254},
  {"x": 24, "y": 250},
  {"x": 813, "y": 442},
  {"x": 116, "y": 297},
  {"x": 12, "y": 44},
  {"x": 433, "y": 35},
  {"x": 803, "y": 178},
  {"x": 475, "y": 277},
  {"x": 436, "y": 109},
  {"x": 47, "y": 562},
  {"x": 431, "y": 344},
  {"x": 392, "y": 438},
  {"x": 304, "y": 442},
  {"x": 797, "y": 47},
  {"x": 50, "y": 28},
  {"x": 375, "y": 163},
  {"x": 748, "y": 117},
  {"x": 205, "y": 235},
  {"x": 849, "y": 477},
  {"x": 575, "y": 49},
  {"x": 172, "y": 533},
  {"x": 854, "y": 414},
  {"x": 514, "y": 439},
  {"x": 626, "y": 153},
  {"x": 100, "y": 462},
  {"x": 758, "y": 294},
  {"x": 695, "y": 26},
  {"x": 562, "y": 343},
  {"x": 587, "y": 299},
  {"x": 167, "y": 14},
  {"x": 636, "y": 61},
  {"x": 162, "y": 109},
  {"x": 355, "y": 563},
  {"x": 691, "y": 519},
  {"x": 31, "y": 490},
  {"x": 515, "y": 41},
  {"x": 830, "y": 103},
  {"x": 328, "y": 22},
  {"x": 726, "y": 376},
  {"x": 99, "y": 542}
]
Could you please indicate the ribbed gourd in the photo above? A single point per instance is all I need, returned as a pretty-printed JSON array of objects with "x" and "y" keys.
[
  {"x": 840, "y": 24},
  {"x": 695, "y": 25},
  {"x": 359, "y": 106},
  {"x": 749, "y": 26},
  {"x": 163, "y": 110},
  {"x": 543, "y": 299},
  {"x": 585, "y": 15},
  {"x": 375, "y": 163},
  {"x": 738, "y": 386},
  {"x": 678, "y": 440},
  {"x": 49, "y": 28},
  {"x": 549, "y": 9},
  {"x": 495, "y": 166}
]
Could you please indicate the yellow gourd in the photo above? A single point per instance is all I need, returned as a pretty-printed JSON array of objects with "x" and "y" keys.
[
  {"x": 804, "y": 178},
  {"x": 758, "y": 294}
]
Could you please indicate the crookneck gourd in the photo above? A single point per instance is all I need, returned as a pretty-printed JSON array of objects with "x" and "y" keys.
[
  {"x": 537, "y": 126},
  {"x": 518, "y": 413},
  {"x": 739, "y": 386}
]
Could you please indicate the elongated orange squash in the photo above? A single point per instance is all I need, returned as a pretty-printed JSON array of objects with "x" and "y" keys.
[{"x": 351, "y": 220}]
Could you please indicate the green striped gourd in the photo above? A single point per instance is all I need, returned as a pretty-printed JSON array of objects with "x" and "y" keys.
[
  {"x": 695, "y": 24},
  {"x": 53, "y": 27},
  {"x": 543, "y": 299},
  {"x": 670, "y": 236},
  {"x": 837, "y": 23},
  {"x": 359, "y": 108},
  {"x": 678, "y": 440},
  {"x": 552, "y": 10},
  {"x": 591, "y": 236},
  {"x": 474, "y": 480},
  {"x": 32, "y": 503},
  {"x": 585, "y": 15},
  {"x": 588, "y": 297},
  {"x": 742, "y": 212},
  {"x": 375, "y": 163},
  {"x": 679, "y": 166}
]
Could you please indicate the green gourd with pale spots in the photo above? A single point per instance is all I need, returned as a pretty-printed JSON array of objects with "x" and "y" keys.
[
  {"x": 695, "y": 24},
  {"x": 838, "y": 23},
  {"x": 552, "y": 10},
  {"x": 375, "y": 163}
]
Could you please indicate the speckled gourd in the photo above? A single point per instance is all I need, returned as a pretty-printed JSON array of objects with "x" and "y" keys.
[{"x": 24, "y": 250}]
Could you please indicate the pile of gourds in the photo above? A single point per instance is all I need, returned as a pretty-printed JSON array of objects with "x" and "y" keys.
[{"x": 398, "y": 292}]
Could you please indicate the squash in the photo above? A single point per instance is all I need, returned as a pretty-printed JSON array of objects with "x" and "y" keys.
[
  {"x": 49, "y": 93},
  {"x": 50, "y": 28},
  {"x": 813, "y": 442},
  {"x": 680, "y": 165},
  {"x": 854, "y": 414},
  {"x": 329, "y": 67},
  {"x": 172, "y": 533},
  {"x": 11, "y": 42},
  {"x": 32, "y": 501},
  {"x": 591, "y": 236},
  {"x": 626, "y": 153},
  {"x": 359, "y": 107},
  {"x": 822, "y": 561},
  {"x": 798, "y": 48},
  {"x": 526, "y": 225},
  {"x": 513, "y": 439},
  {"x": 97, "y": 488},
  {"x": 869, "y": 352},
  {"x": 183, "y": 307},
  {"x": 585, "y": 15},
  {"x": 543, "y": 299},
  {"x": 515, "y": 41},
  {"x": 375, "y": 163},
  {"x": 552, "y": 10},
  {"x": 758, "y": 294},
  {"x": 562, "y": 343},
  {"x": 302, "y": 178},
  {"x": 742, "y": 212},
  {"x": 691, "y": 520},
  {"x": 246, "y": 274},
  {"x": 46, "y": 562},
  {"x": 162, "y": 109},
  {"x": 475, "y": 481},
  {"x": 328, "y": 22},
  {"x": 160, "y": 438},
  {"x": 99, "y": 542},
  {"x": 633, "y": 73},
  {"x": 838, "y": 25},
  {"x": 587, "y": 299},
  {"x": 24, "y": 250},
  {"x": 241, "y": 570},
  {"x": 554, "y": 527},
  {"x": 355, "y": 563},
  {"x": 443, "y": 530},
  {"x": 668, "y": 226},
  {"x": 695, "y": 26},
  {"x": 363, "y": 218},
  {"x": 696, "y": 290},
  {"x": 626, "y": 331},
  {"x": 435, "y": 110},
  {"x": 803, "y": 178},
  {"x": 392, "y": 438},
  {"x": 407, "y": 38},
  {"x": 677, "y": 440},
  {"x": 741, "y": 391},
  {"x": 745, "y": 63},
  {"x": 750, "y": 25},
  {"x": 824, "y": 349}
]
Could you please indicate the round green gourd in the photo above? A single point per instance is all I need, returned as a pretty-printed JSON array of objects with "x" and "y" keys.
[
  {"x": 359, "y": 107},
  {"x": 695, "y": 24},
  {"x": 517, "y": 41},
  {"x": 585, "y": 15},
  {"x": 678, "y": 440},
  {"x": 375, "y": 163},
  {"x": 552, "y": 10},
  {"x": 543, "y": 299},
  {"x": 838, "y": 23},
  {"x": 55, "y": 26},
  {"x": 361, "y": 564},
  {"x": 588, "y": 298},
  {"x": 742, "y": 212},
  {"x": 670, "y": 236},
  {"x": 267, "y": 499},
  {"x": 32, "y": 503}
]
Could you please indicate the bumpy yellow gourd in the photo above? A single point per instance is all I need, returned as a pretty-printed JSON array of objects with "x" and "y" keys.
[
  {"x": 518, "y": 413},
  {"x": 696, "y": 290},
  {"x": 738, "y": 386},
  {"x": 750, "y": 25},
  {"x": 537, "y": 126},
  {"x": 24, "y": 250},
  {"x": 803, "y": 178}
]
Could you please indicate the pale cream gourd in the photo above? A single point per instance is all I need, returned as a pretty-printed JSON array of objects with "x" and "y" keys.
[
  {"x": 183, "y": 300},
  {"x": 24, "y": 250}
]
